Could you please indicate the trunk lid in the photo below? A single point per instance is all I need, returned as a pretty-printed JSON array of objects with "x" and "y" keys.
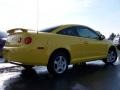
[{"x": 19, "y": 37}]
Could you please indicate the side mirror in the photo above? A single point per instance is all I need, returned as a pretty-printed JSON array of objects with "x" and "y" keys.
[{"x": 102, "y": 37}]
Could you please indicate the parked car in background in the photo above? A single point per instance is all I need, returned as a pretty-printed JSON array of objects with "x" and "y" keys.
[
  {"x": 3, "y": 37},
  {"x": 116, "y": 41},
  {"x": 57, "y": 47}
]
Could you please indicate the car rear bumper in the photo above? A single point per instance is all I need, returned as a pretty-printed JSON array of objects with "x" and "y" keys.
[{"x": 27, "y": 56}]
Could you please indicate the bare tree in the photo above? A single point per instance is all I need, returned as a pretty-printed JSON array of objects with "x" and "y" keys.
[{"x": 112, "y": 36}]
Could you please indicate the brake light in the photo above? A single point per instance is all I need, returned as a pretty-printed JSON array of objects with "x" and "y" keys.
[{"x": 27, "y": 40}]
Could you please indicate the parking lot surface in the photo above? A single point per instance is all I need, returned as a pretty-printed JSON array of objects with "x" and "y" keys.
[{"x": 94, "y": 76}]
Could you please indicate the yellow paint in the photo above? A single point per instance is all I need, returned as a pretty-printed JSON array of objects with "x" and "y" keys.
[{"x": 80, "y": 49}]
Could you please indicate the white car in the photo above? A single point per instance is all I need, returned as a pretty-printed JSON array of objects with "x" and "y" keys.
[{"x": 116, "y": 42}]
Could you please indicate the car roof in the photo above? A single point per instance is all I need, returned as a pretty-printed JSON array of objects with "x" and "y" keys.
[
  {"x": 66, "y": 26},
  {"x": 60, "y": 27},
  {"x": 72, "y": 25}
]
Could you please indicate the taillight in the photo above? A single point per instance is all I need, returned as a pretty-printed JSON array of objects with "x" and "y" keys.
[{"x": 27, "y": 40}]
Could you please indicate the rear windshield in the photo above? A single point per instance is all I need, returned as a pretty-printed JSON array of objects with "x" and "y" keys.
[{"x": 51, "y": 29}]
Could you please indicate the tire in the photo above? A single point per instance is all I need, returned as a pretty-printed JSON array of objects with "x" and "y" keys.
[
  {"x": 27, "y": 66},
  {"x": 58, "y": 64},
  {"x": 28, "y": 73},
  {"x": 111, "y": 57},
  {"x": 118, "y": 47}
]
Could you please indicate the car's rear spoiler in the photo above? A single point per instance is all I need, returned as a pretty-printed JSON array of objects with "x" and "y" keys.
[{"x": 12, "y": 31}]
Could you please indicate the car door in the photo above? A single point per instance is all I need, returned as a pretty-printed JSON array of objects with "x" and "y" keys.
[
  {"x": 94, "y": 48},
  {"x": 75, "y": 43}
]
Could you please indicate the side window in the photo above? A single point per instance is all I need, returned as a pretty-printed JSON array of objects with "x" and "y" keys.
[
  {"x": 87, "y": 33},
  {"x": 71, "y": 31}
]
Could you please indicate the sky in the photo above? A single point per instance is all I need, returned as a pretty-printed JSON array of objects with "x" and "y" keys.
[{"x": 101, "y": 15}]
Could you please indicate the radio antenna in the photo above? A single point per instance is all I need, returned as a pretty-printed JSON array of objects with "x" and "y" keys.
[{"x": 37, "y": 15}]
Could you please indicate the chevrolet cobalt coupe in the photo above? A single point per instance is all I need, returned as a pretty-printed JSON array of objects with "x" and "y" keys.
[{"x": 57, "y": 47}]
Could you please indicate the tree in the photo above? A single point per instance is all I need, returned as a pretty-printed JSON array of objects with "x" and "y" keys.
[{"x": 112, "y": 36}]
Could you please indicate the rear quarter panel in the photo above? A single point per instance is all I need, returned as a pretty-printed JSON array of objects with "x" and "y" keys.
[{"x": 34, "y": 53}]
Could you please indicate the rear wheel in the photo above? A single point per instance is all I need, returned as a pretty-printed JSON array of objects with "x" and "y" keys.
[
  {"x": 27, "y": 66},
  {"x": 111, "y": 57},
  {"x": 28, "y": 71},
  {"x": 58, "y": 64}
]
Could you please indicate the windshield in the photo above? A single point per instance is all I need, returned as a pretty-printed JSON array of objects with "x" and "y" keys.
[{"x": 49, "y": 29}]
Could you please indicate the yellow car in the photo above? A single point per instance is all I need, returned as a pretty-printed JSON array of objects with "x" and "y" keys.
[{"x": 57, "y": 47}]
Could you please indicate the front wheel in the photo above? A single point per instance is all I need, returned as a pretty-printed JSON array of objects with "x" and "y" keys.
[
  {"x": 118, "y": 47},
  {"x": 111, "y": 57},
  {"x": 58, "y": 64}
]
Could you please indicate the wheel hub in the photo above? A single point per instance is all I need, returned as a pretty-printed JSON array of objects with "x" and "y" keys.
[
  {"x": 60, "y": 64},
  {"x": 111, "y": 56}
]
